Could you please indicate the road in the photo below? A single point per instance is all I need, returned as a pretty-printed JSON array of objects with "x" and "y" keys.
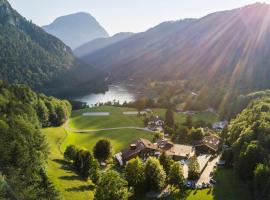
[
  {"x": 205, "y": 176},
  {"x": 106, "y": 129}
]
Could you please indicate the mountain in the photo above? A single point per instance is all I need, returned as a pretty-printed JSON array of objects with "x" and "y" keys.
[
  {"x": 100, "y": 43},
  {"x": 76, "y": 29},
  {"x": 31, "y": 56},
  {"x": 228, "y": 49},
  {"x": 28, "y": 54}
]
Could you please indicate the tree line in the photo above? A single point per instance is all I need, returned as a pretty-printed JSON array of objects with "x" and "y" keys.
[
  {"x": 249, "y": 137},
  {"x": 23, "y": 147}
]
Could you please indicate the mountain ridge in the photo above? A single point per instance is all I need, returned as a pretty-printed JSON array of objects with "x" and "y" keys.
[{"x": 76, "y": 29}]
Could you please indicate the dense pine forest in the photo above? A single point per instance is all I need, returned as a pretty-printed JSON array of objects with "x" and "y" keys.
[{"x": 23, "y": 147}]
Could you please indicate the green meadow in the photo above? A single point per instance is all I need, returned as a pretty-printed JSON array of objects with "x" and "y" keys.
[{"x": 66, "y": 181}]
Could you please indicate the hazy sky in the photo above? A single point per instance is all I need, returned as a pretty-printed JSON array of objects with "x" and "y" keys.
[{"x": 124, "y": 15}]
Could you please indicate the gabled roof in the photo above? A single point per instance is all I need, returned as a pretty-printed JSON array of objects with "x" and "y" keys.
[
  {"x": 136, "y": 147},
  {"x": 211, "y": 141}
]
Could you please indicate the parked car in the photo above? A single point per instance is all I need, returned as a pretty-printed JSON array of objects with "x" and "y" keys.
[
  {"x": 213, "y": 181},
  {"x": 188, "y": 184}
]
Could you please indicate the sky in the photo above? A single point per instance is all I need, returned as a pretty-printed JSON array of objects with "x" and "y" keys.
[{"x": 124, "y": 15}]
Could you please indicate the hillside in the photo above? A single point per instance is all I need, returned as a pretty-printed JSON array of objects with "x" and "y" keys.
[
  {"x": 100, "y": 43},
  {"x": 28, "y": 54},
  {"x": 31, "y": 56},
  {"x": 76, "y": 29},
  {"x": 228, "y": 50},
  {"x": 23, "y": 147}
]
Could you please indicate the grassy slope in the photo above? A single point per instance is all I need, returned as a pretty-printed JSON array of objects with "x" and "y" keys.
[
  {"x": 117, "y": 119},
  {"x": 66, "y": 181},
  {"x": 120, "y": 139},
  {"x": 71, "y": 187}
]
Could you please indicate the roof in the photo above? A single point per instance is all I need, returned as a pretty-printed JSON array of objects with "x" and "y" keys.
[
  {"x": 164, "y": 144},
  {"x": 180, "y": 150},
  {"x": 211, "y": 142},
  {"x": 139, "y": 145}
]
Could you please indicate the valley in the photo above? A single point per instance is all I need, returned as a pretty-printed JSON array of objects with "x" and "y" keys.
[
  {"x": 122, "y": 104},
  {"x": 72, "y": 186}
]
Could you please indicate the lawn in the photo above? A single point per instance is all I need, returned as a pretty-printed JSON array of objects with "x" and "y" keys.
[
  {"x": 116, "y": 118},
  {"x": 207, "y": 117},
  {"x": 120, "y": 139},
  {"x": 70, "y": 185},
  {"x": 66, "y": 181}
]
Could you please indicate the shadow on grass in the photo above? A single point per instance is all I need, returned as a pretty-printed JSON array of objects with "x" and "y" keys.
[
  {"x": 176, "y": 195},
  {"x": 71, "y": 178},
  {"x": 81, "y": 188},
  {"x": 63, "y": 164}
]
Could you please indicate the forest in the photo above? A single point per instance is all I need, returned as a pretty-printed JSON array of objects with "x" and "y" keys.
[{"x": 23, "y": 147}]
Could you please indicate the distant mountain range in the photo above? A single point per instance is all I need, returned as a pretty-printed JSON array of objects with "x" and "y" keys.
[
  {"x": 229, "y": 48},
  {"x": 76, "y": 29},
  {"x": 100, "y": 43}
]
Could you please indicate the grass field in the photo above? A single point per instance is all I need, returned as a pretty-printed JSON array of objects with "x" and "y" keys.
[
  {"x": 205, "y": 116},
  {"x": 66, "y": 181},
  {"x": 120, "y": 139},
  {"x": 72, "y": 187},
  {"x": 116, "y": 118}
]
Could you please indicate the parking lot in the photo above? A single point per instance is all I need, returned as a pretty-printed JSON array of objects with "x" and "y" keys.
[{"x": 206, "y": 164}]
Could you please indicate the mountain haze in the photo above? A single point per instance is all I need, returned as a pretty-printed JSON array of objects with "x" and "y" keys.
[
  {"x": 229, "y": 48},
  {"x": 100, "y": 43},
  {"x": 76, "y": 29}
]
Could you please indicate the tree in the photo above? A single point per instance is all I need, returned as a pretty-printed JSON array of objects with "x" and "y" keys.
[
  {"x": 169, "y": 118},
  {"x": 154, "y": 174},
  {"x": 189, "y": 122},
  {"x": 70, "y": 153},
  {"x": 166, "y": 162},
  {"x": 193, "y": 168},
  {"x": 227, "y": 156},
  {"x": 176, "y": 176},
  {"x": 196, "y": 134},
  {"x": 248, "y": 160},
  {"x": 261, "y": 179},
  {"x": 94, "y": 173},
  {"x": 158, "y": 136},
  {"x": 134, "y": 173},
  {"x": 111, "y": 187},
  {"x": 103, "y": 150}
]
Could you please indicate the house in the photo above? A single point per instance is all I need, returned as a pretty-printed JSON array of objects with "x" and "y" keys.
[
  {"x": 140, "y": 148},
  {"x": 180, "y": 152},
  {"x": 209, "y": 144},
  {"x": 144, "y": 148}
]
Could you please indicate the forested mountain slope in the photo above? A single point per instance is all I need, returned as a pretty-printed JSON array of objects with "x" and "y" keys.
[
  {"x": 23, "y": 147},
  {"x": 99, "y": 44},
  {"x": 223, "y": 51},
  {"x": 28, "y": 54}
]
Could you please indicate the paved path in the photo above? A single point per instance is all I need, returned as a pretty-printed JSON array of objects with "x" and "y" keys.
[
  {"x": 106, "y": 129},
  {"x": 205, "y": 176}
]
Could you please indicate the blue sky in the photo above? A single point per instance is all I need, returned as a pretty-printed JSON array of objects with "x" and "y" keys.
[{"x": 124, "y": 15}]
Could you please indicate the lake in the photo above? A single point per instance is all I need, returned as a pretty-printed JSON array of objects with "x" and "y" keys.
[{"x": 119, "y": 93}]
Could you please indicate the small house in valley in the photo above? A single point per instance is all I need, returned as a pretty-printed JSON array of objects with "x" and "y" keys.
[{"x": 209, "y": 144}]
